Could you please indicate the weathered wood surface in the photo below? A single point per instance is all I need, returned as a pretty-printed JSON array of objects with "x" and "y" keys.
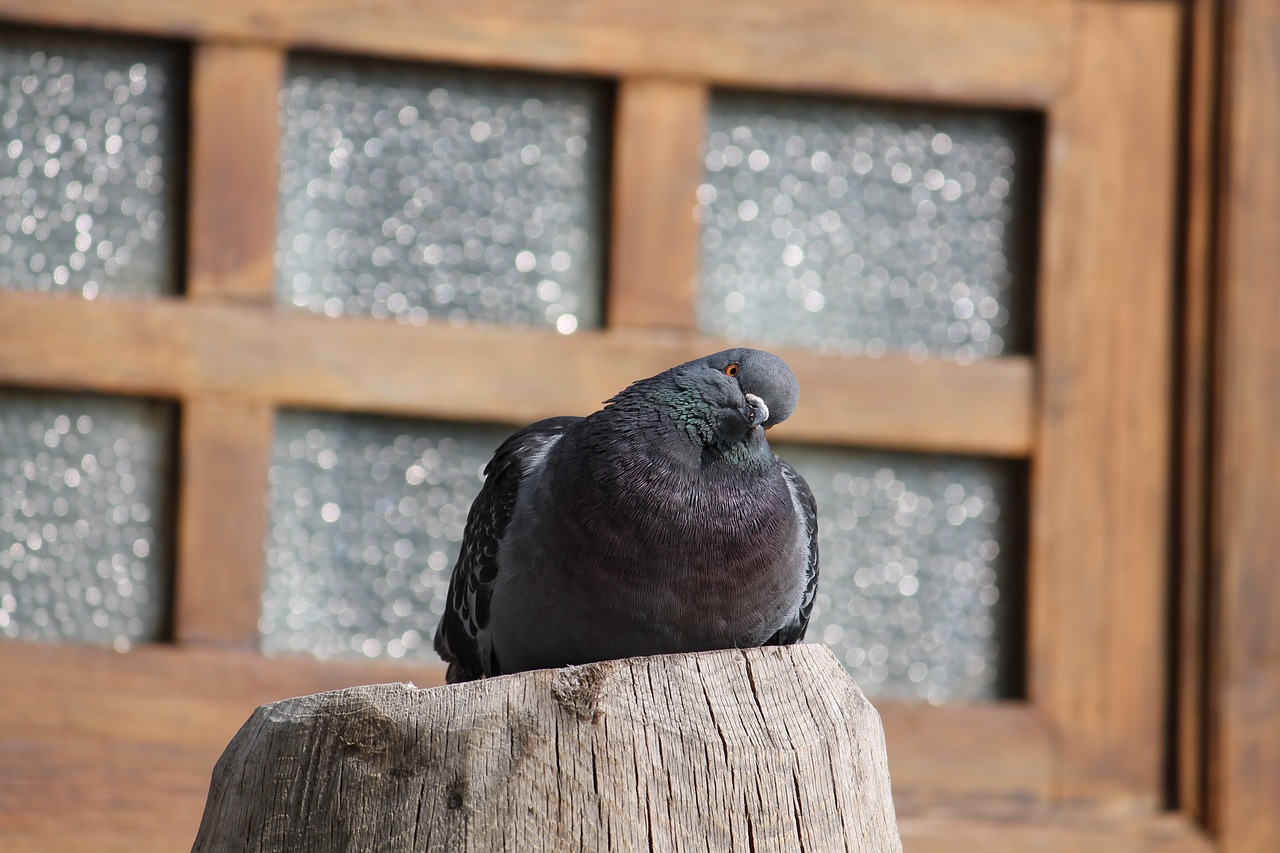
[{"x": 762, "y": 749}]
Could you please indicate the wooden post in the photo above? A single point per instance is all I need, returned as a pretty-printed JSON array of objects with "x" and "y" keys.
[{"x": 759, "y": 749}]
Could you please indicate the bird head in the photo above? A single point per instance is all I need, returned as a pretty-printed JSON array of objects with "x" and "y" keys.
[
  {"x": 759, "y": 381},
  {"x": 725, "y": 400}
]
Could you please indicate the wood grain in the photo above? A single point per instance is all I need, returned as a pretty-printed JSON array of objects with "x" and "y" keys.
[
  {"x": 769, "y": 749},
  {"x": 656, "y": 171},
  {"x": 978, "y": 760},
  {"x": 170, "y": 348},
  {"x": 226, "y": 452},
  {"x": 131, "y": 740},
  {"x": 235, "y": 146},
  {"x": 972, "y": 51},
  {"x": 1245, "y": 756},
  {"x": 1100, "y": 506},
  {"x": 127, "y": 741},
  {"x": 1063, "y": 833}
]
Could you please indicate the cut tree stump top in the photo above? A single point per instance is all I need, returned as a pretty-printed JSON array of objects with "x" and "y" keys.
[{"x": 759, "y": 749}]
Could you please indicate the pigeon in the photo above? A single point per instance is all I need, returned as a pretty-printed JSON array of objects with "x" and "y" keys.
[{"x": 662, "y": 523}]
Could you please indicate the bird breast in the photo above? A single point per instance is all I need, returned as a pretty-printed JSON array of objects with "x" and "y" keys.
[{"x": 646, "y": 559}]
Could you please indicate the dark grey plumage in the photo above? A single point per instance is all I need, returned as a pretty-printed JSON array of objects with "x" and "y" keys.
[{"x": 662, "y": 523}]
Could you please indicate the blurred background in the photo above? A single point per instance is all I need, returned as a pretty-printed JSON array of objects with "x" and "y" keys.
[{"x": 274, "y": 284}]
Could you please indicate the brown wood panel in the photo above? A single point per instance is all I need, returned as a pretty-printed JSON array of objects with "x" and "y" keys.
[
  {"x": 1245, "y": 756},
  {"x": 107, "y": 751},
  {"x": 972, "y": 51},
  {"x": 235, "y": 142},
  {"x": 1065, "y": 833},
  {"x": 226, "y": 452},
  {"x": 654, "y": 253},
  {"x": 994, "y": 759},
  {"x": 129, "y": 740},
  {"x": 176, "y": 349},
  {"x": 1100, "y": 503}
]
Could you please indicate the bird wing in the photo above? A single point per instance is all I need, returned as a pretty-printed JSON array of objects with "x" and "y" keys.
[
  {"x": 807, "y": 511},
  {"x": 462, "y": 638}
]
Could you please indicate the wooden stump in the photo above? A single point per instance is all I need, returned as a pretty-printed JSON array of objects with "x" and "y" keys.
[{"x": 762, "y": 749}]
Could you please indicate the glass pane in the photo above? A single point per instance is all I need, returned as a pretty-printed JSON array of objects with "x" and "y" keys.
[
  {"x": 413, "y": 192},
  {"x": 89, "y": 133},
  {"x": 921, "y": 593},
  {"x": 868, "y": 229},
  {"x": 85, "y": 530},
  {"x": 921, "y": 587},
  {"x": 367, "y": 516}
]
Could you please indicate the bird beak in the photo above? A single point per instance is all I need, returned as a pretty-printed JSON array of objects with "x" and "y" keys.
[{"x": 756, "y": 412}]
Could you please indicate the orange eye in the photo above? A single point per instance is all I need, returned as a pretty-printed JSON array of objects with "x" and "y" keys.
[{"x": 732, "y": 369}]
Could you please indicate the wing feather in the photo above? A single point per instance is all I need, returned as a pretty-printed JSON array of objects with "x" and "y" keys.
[
  {"x": 807, "y": 511},
  {"x": 462, "y": 637}
]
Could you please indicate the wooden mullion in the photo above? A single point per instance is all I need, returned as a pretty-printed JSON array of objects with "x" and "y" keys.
[
  {"x": 174, "y": 348},
  {"x": 1244, "y": 756},
  {"x": 234, "y": 186},
  {"x": 1100, "y": 478},
  {"x": 973, "y": 51},
  {"x": 226, "y": 453},
  {"x": 656, "y": 171},
  {"x": 226, "y": 441}
]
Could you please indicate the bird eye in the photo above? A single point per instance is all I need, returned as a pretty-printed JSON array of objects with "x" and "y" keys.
[{"x": 732, "y": 368}]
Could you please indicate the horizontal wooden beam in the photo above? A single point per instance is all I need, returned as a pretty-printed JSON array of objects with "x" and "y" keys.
[
  {"x": 128, "y": 741},
  {"x": 1053, "y": 833},
  {"x": 989, "y": 759},
  {"x": 989, "y": 52},
  {"x": 173, "y": 348}
]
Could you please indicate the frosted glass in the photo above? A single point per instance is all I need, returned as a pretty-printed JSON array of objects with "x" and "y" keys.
[
  {"x": 85, "y": 518},
  {"x": 416, "y": 193},
  {"x": 90, "y": 163},
  {"x": 921, "y": 587},
  {"x": 867, "y": 229},
  {"x": 367, "y": 516}
]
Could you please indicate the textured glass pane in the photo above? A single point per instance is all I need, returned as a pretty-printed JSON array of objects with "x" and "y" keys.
[
  {"x": 419, "y": 192},
  {"x": 367, "y": 516},
  {"x": 921, "y": 587},
  {"x": 868, "y": 229},
  {"x": 90, "y": 161},
  {"x": 921, "y": 593},
  {"x": 85, "y": 497}
]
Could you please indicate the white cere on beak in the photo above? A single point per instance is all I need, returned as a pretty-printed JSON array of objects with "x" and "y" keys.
[{"x": 760, "y": 406}]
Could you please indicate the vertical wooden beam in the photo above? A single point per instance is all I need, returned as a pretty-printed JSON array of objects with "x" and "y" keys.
[
  {"x": 226, "y": 444},
  {"x": 234, "y": 171},
  {"x": 1245, "y": 709},
  {"x": 1100, "y": 479},
  {"x": 1191, "y": 483},
  {"x": 656, "y": 173},
  {"x": 226, "y": 453}
]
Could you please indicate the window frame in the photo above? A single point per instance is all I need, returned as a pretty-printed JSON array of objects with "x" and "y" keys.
[{"x": 1081, "y": 760}]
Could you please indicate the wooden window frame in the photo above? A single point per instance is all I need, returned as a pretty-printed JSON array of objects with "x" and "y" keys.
[{"x": 1080, "y": 761}]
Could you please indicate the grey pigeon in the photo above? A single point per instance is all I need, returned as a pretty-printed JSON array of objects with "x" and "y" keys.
[{"x": 662, "y": 523}]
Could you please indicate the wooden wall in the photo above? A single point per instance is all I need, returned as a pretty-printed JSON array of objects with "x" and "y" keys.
[{"x": 1134, "y": 316}]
